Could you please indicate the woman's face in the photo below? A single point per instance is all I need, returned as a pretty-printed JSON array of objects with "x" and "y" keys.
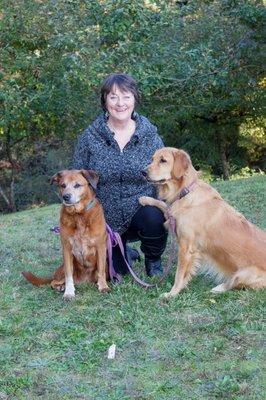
[{"x": 120, "y": 104}]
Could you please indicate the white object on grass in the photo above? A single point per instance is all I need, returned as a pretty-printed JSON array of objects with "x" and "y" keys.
[{"x": 111, "y": 352}]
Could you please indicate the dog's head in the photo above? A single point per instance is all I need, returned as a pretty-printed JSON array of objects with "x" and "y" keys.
[
  {"x": 76, "y": 185},
  {"x": 167, "y": 164}
]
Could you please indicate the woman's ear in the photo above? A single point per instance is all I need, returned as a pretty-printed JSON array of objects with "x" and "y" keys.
[{"x": 181, "y": 163}]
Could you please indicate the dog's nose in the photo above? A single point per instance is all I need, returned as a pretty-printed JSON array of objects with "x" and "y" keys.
[
  {"x": 144, "y": 173},
  {"x": 66, "y": 197}
]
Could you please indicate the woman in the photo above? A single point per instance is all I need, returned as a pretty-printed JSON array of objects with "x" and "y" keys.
[{"x": 119, "y": 144}]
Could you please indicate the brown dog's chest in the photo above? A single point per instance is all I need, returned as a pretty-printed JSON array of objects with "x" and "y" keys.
[
  {"x": 85, "y": 232},
  {"x": 83, "y": 249}
]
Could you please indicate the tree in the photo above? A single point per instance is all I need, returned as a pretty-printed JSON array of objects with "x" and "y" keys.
[
  {"x": 44, "y": 82},
  {"x": 199, "y": 65}
]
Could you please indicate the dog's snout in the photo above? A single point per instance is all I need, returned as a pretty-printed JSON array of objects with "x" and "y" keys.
[
  {"x": 144, "y": 173},
  {"x": 67, "y": 197}
]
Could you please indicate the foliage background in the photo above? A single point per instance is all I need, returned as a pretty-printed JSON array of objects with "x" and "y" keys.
[{"x": 199, "y": 65}]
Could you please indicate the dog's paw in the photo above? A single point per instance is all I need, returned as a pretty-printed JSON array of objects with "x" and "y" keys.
[
  {"x": 167, "y": 295},
  {"x": 58, "y": 287},
  {"x": 104, "y": 289},
  {"x": 69, "y": 296},
  {"x": 219, "y": 289},
  {"x": 144, "y": 200}
]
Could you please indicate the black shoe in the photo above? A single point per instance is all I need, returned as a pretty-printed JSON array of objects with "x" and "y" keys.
[
  {"x": 153, "y": 267},
  {"x": 132, "y": 255}
]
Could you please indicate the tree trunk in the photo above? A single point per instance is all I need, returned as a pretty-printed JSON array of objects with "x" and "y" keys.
[
  {"x": 222, "y": 152},
  {"x": 6, "y": 199},
  {"x": 11, "y": 196},
  {"x": 225, "y": 164},
  {"x": 12, "y": 193}
]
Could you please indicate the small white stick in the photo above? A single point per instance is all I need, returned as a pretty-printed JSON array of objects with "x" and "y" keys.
[{"x": 111, "y": 352}]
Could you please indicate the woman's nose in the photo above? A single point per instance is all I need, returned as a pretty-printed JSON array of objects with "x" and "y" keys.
[{"x": 120, "y": 102}]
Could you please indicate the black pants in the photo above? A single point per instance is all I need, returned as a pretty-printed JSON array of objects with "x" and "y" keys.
[{"x": 147, "y": 227}]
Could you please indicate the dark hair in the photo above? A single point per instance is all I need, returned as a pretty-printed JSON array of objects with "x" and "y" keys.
[{"x": 124, "y": 82}]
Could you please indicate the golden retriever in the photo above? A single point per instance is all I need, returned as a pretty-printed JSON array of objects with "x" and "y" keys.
[
  {"x": 207, "y": 227},
  {"x": 82, "y": 232}
]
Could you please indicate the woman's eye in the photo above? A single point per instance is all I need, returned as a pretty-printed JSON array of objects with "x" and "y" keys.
[
  {"x": 162, "y": 160},
  {"x": 77, "y": 185}
]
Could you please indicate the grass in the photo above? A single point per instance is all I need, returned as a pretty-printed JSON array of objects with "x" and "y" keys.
[{"x": 197, "y": 346}]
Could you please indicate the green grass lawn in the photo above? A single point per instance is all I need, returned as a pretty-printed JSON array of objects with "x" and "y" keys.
[{"x": 196, "y": 346}]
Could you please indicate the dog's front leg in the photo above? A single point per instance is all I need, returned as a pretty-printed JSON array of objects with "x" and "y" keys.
[
  {"x": 186, "y": 259},
  {"x": 68, "y": 269},
  {"x": 150, "y": 201},
  {"x": 101, "y": 263}
]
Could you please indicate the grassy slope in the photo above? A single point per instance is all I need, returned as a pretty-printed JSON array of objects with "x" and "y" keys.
[{"x": 198, "y": 346}]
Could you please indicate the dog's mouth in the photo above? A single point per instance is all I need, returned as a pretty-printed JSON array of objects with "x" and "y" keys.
[
  {"x": 69, "y": 204},
  {"x": 155, "y": 182}
]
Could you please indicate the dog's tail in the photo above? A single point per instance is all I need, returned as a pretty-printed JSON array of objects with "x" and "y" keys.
[{"x": 35, "y": 280}]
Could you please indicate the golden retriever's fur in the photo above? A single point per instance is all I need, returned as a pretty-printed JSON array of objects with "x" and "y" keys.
[
  {"x": 208, "y": 228},
  {"x": 82, "y": 232}
]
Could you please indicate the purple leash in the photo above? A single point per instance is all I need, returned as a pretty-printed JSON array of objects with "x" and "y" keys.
[
  {"x": 114, "y": 239},
  {"x": 55, "y": 230}
]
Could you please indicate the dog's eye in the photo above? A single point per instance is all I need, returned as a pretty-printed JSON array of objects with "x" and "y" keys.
[
  {"x": 162, "y": 160},
  {"x": 63, "y": 186},
  {"x": 77, "y": 185}
]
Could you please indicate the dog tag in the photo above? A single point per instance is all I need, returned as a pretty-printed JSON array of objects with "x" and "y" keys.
[{"x": 183, "y": 193}]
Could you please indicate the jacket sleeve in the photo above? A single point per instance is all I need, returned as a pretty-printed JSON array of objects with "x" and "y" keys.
[{"x": 81, "y": 157}]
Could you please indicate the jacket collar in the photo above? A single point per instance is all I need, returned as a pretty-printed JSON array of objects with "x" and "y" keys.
[{"x": 100, "y": 124}]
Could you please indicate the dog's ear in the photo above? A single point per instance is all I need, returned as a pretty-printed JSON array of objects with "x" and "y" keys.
[
  {"x": 91, "y": 176},
  {"x": 56, "y": 178},
  {"x": 181, "y": 163}
]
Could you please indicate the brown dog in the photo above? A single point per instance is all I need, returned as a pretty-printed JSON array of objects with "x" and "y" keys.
[
  {"x": 207, "y": 227},
  {"x": 82, "y": 232}
]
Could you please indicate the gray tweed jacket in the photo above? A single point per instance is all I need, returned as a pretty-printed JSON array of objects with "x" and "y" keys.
[{"x": 121, "y": 183}]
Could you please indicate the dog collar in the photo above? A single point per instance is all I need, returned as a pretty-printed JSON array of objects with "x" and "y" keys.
[
  {"x": 91, "y": 204},
  {"x": 186, "y": 190}
]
